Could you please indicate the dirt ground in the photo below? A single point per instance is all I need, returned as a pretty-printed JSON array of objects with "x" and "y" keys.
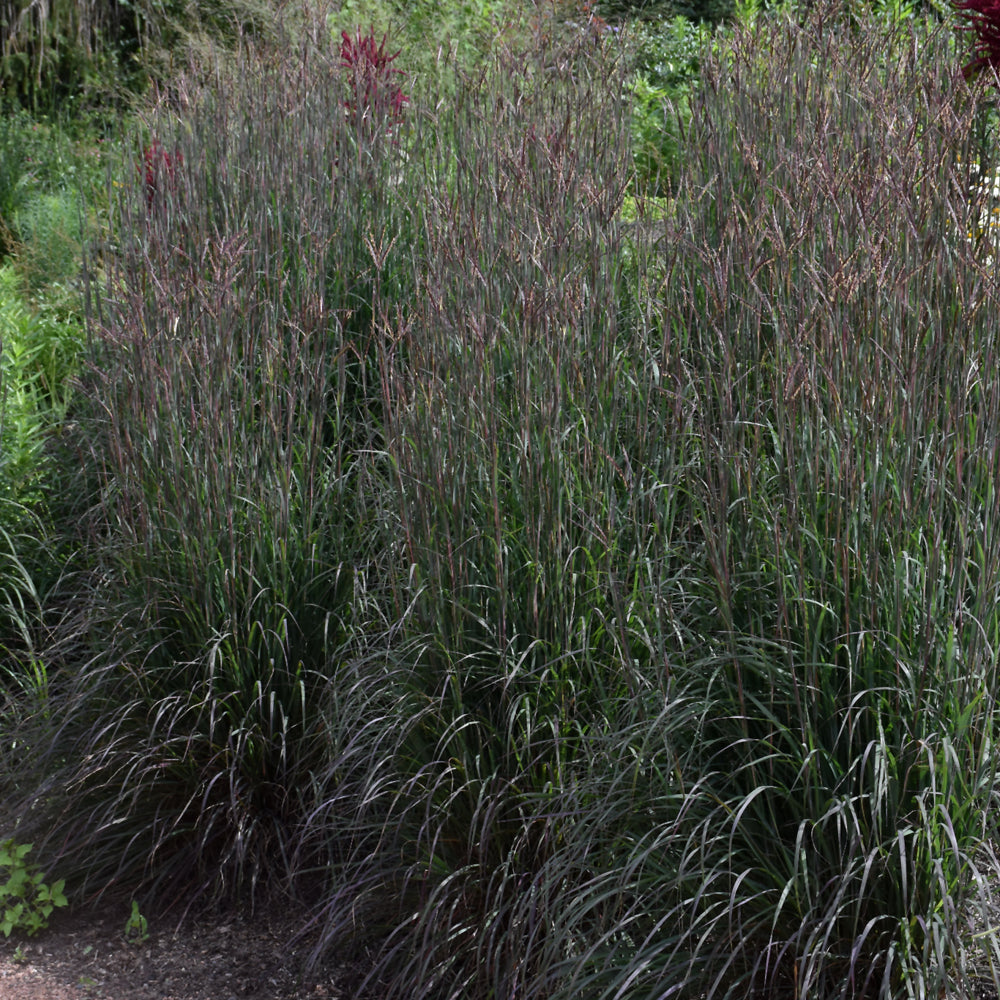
[{"x": 86, "y": 956}]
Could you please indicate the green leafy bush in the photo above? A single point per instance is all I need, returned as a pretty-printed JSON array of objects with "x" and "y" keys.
[
  {"x": 38, "y": 358},
  {"x": 653, "y": 11},
  {"x": 53, "y": 185},
  {"x": 665, "y": 58},
  {"x": 23, "y": 424},
  {"x": 51, "y": 232},
  {"x": 15, "y": 176},
  {"x": 26, "y": 902},
  {"x": 39, "y": 354}
]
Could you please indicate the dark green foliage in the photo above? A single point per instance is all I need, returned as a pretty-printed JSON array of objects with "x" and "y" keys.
[
  {"x": 654, "y": 11},
  {"x": 55, "y": 52},
  {"x": 96, "y": 53}
]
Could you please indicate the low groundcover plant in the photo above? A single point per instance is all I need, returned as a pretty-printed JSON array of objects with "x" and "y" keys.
[{"x": 26, "y": 901}]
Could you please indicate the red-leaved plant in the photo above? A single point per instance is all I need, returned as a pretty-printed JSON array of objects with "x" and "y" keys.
[
  {"x": 160, "y": 169},
  {"x": 982, "y": 17},
  {"x": 375, "y": 96}
]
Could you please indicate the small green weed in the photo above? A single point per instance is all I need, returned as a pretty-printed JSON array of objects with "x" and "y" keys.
[
  {"x": 26, "y": 901},
  {"x": 136, "y": 927}
]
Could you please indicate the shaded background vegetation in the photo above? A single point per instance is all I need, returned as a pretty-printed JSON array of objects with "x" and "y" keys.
[{"x": 87, "y": 53}]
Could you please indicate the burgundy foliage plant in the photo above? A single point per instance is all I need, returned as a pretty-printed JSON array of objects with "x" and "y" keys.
[
  {"x": 374, "y": 92},
  {"x": 160, "y": 169},
  {"x": 982, "y": 17}
]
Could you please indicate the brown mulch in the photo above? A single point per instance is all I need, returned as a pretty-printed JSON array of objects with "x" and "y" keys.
[
  {"x": 86, "y": 956},
  {"x": 236, "y": 956}
]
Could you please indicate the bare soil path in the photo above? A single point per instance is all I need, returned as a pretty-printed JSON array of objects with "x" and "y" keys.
[{"x": 86, "y": 956}]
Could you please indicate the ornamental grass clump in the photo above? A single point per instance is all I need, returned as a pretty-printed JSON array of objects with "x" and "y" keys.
[
  {"x": 525, "y": 583},
  {"x": 227, "y": 415},
  {"x": 829, "y": 828},
  {"x": 566, "y": 607}
]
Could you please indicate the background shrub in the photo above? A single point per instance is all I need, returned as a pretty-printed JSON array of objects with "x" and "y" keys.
[
  {"x": 100, "y": 53},
  {"x": 665, "y": 60}
]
